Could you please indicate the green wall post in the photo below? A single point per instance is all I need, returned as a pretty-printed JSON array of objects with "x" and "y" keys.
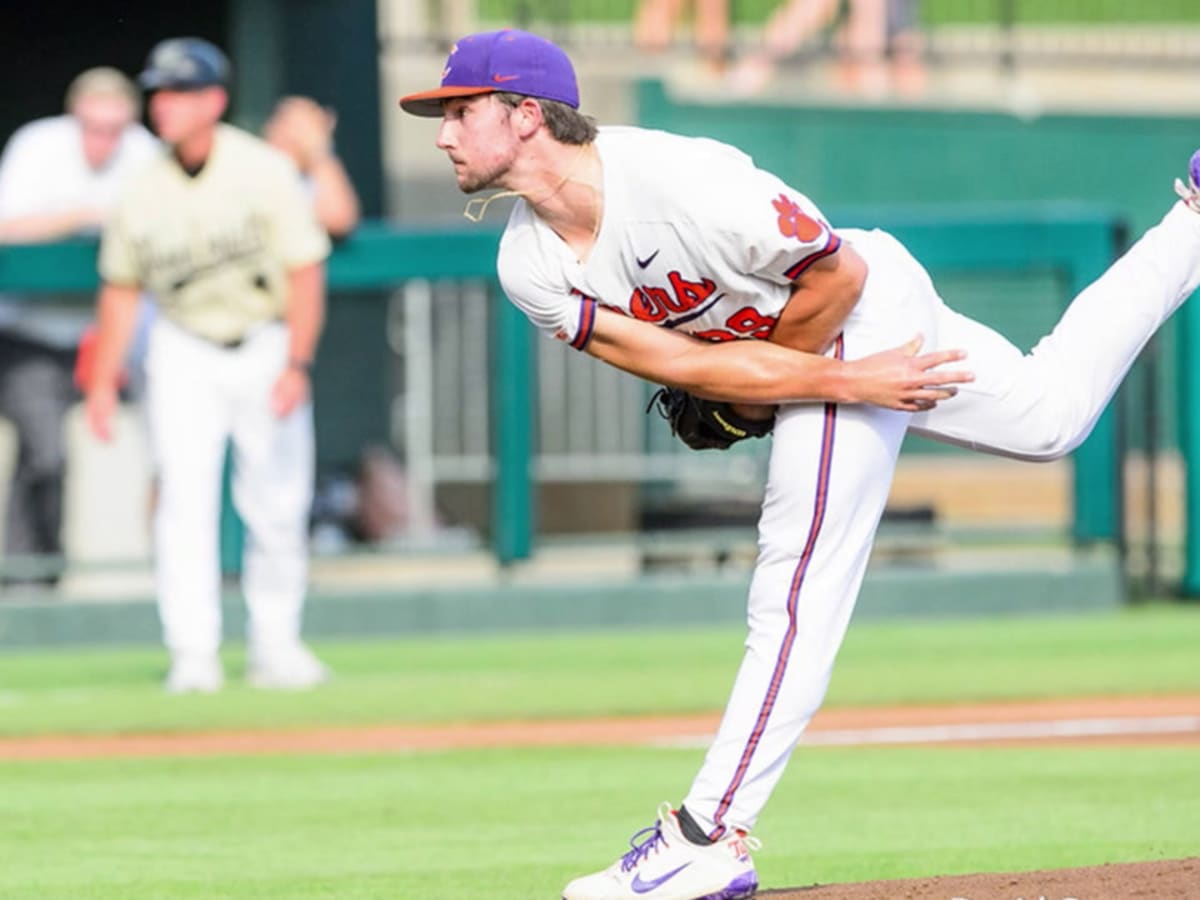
[
  {"x": 255, "y": 46},
  {"x": 512, "y": 432},
  {"x": 1098, "y": 482},
  {"x": 233, "y": 529},
  {"x": 1098, "y": 476},
  {"x": 1189, "y": 440}
]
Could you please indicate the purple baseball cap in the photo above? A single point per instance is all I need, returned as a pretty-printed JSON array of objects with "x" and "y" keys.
[{"x": 507, "y": 60}]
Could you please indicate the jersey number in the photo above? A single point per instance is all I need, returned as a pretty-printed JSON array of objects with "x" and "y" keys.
[{"x": 747, "y": 322}]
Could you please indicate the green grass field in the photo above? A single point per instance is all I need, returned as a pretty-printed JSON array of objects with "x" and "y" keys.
[
  {"x": 515, "y": 824},
  {"x": 608, "y": 673}
]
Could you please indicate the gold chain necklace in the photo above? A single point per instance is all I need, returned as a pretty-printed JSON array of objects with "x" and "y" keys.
[{"x": 476, "y": 207}]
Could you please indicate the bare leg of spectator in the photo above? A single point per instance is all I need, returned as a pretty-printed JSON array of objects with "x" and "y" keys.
[
  {"x": 793, "y": 24},
  {"x": 654, "y": 24},
  {"x": 907, "y": 47},
  {"x": 863, "y": 65},
  {"x": 712, "y": 32}
]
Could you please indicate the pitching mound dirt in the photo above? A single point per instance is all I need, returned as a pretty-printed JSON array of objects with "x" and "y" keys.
[{"x": 1172, "y": 879}]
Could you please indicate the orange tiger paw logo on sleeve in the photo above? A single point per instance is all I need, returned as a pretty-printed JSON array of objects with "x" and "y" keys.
[{"x": 794, "y": 222}]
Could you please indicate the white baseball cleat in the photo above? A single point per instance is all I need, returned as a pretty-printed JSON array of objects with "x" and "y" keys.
[
  {"x": 293, "y": 668},
  {"x": 664, "y": 865},
  {"x": 195, "y": 674}
]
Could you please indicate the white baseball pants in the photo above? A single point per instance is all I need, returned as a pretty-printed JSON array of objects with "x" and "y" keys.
[
  {"x": 831, "y": 470},
  {"x": 199, "y": 396}
]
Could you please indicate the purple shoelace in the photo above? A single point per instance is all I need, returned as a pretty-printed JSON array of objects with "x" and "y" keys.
[{"x": 652, "y": 838}]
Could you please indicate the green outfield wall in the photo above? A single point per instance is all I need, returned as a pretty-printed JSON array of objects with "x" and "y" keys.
[
  {"x": 962, "y": 162},
  {"x": 970, "y": 159}
]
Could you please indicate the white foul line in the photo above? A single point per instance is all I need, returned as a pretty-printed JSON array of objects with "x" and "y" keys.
[{"x": 983, "y": 731}]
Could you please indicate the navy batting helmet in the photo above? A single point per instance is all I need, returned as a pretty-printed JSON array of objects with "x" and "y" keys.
[{"x": 184, "y": 64}]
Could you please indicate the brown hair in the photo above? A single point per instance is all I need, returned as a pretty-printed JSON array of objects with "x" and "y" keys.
[{"x": 567, "y": 124}]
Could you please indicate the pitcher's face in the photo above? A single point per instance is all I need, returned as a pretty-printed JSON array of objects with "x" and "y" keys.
[{"x": 477, "y": 134}]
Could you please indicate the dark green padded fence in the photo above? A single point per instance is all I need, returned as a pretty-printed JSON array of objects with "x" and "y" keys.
[{"x": 1069, "y": 245}]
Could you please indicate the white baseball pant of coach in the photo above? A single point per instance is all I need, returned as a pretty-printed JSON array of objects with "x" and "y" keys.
[
  {"x": 831, "y": 469},
  {"x": 199, "y": 395}
]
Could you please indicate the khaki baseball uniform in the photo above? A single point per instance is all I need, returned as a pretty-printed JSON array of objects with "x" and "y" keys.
[{"x": 214, "y": 248}]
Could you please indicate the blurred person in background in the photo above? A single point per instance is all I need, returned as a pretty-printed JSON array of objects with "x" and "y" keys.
[
  {"x": 303, "y": 129},
  {"x": 655, "y": 21},
  {"x": 220, "y": 233},
  {"x": 878, "y": 46},
  {"x": 59, "y": 178}
]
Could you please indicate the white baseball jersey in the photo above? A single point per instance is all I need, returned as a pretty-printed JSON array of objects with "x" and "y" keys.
[
  {"x": 43, "y": 169},
  {"x": 42, "y": 172},
  {"x": 694, "y": 237},
  {"x": 214, "y": 249},
  {"x": 670, "y": 251}
]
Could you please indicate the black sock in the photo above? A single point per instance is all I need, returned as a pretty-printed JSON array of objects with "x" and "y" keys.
[{"x": 693, "y": 832}]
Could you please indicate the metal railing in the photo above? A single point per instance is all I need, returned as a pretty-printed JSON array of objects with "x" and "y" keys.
[
  {"x": 588, "y": 421},
  {"x": 591, "y": 420}
]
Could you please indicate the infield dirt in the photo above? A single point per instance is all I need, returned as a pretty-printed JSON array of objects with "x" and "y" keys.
[
  {"x": 1106, "y": 721},
  {"x": 1171, "y": 879}
]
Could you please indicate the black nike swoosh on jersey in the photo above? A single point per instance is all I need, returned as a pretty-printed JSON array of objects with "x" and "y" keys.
[
  {"x": 642, "y": 263},
  {"x": 694, "y": 314}
]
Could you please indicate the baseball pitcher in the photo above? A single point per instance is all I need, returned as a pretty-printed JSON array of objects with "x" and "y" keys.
[{"x": 679, "y": 260}]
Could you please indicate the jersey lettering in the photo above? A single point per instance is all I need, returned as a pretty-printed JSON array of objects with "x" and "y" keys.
[
  {"x": 648, "y": 304},
  {"x": 657, "y": 304},
  {"x": 690, "y": 294},
  {"x": 654, "y": 304}
]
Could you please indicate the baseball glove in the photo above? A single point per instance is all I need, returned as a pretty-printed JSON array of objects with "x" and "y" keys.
[{"x": 706, "y": 424}]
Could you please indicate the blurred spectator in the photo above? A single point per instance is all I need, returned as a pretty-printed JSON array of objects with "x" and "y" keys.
[
  {"x": 59, "y": 177},
  {"x": 655, "y": 20},
  {"x": 452, "y": 18},
  {"x": 303, "y": 129},
  {"x": 906, "y": 47},
  {"x": 878, "y": 45},
  {"x": 221, "y": 234}
]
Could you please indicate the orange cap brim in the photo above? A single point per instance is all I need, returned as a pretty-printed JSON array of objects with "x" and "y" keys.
[{"x": 429, "y": 103}]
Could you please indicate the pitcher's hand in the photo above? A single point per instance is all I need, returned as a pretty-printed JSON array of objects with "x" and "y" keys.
[{"x": 901, "y": 379}]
